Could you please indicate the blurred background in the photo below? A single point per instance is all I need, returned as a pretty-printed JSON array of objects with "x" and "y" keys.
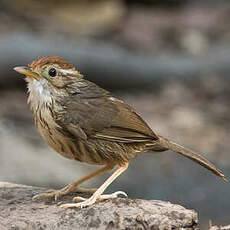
[{"x": 169, "y": 59}]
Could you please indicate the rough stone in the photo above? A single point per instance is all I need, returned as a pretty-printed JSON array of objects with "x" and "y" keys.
[{"x": 18, "y": 211}]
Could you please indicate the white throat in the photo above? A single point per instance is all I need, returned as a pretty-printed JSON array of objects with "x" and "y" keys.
[{"x": 39, "y": 93}]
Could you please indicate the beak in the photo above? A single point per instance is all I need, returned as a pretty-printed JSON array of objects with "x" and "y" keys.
[{"x": 27, "y": 71}]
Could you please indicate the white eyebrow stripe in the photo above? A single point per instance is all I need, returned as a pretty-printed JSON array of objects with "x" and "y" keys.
[{"x": 67, "y": 71}]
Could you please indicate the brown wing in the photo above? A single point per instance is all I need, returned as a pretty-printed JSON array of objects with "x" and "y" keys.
[
  {"x": 98, "y": 115},
  {"x": 126, "y": 126}
]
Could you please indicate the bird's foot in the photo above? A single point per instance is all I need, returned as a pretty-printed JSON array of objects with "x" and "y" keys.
[
  {"x": 90, "y": 201},
  {"x": 59, "y": 193}
]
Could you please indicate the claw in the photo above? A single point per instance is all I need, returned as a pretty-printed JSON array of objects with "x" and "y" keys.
[
  {"x": 82, "y": 204},
  {"x": 87, "y": 202},
  {"x": 45, "y": 195},
  {"x": 69, "y": 206},
  {"x": 112, "y": 195},
  {"x": 79, "y": 198},
  {"x": 59, "y": 193}
]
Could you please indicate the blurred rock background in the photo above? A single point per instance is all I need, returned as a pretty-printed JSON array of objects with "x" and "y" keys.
[{"x": 169, "y": 59}]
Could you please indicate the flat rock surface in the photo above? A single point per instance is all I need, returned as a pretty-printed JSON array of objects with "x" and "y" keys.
[{"x": 19, "y": 211}]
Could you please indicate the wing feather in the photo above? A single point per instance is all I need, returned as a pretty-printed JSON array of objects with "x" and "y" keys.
[{"x": 102, "y": 116}]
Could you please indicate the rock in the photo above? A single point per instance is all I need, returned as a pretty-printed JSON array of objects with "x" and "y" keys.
[
  {"x": 19, "y": 211},
  {"x": 220, "y": 228}
]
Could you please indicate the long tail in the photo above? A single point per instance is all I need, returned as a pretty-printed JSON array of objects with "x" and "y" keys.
[{"x": 163, "y": 142}]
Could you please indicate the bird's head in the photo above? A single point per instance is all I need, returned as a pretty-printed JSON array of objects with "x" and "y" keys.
[
  {"x": 51, "y": 70},
  {"x": 48, "y": 76}
]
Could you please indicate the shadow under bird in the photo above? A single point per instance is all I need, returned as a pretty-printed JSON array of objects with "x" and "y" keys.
[{"x": 84, "y": 122}]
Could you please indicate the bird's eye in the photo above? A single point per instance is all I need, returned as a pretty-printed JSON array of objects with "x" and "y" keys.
[{"x": 52, "y": 72}]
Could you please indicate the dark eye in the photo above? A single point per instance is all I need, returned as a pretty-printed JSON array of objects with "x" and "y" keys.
[{"x": 52, "y": 72}]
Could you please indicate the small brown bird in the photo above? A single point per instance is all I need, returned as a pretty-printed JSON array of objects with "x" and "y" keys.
[{"x": 84, "y": 122}]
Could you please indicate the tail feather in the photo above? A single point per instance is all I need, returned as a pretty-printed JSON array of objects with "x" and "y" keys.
[{"x": 191, "y": 155}]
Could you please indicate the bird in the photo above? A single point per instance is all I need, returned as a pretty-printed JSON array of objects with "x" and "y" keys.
[{"x": 84, "y": 122}]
